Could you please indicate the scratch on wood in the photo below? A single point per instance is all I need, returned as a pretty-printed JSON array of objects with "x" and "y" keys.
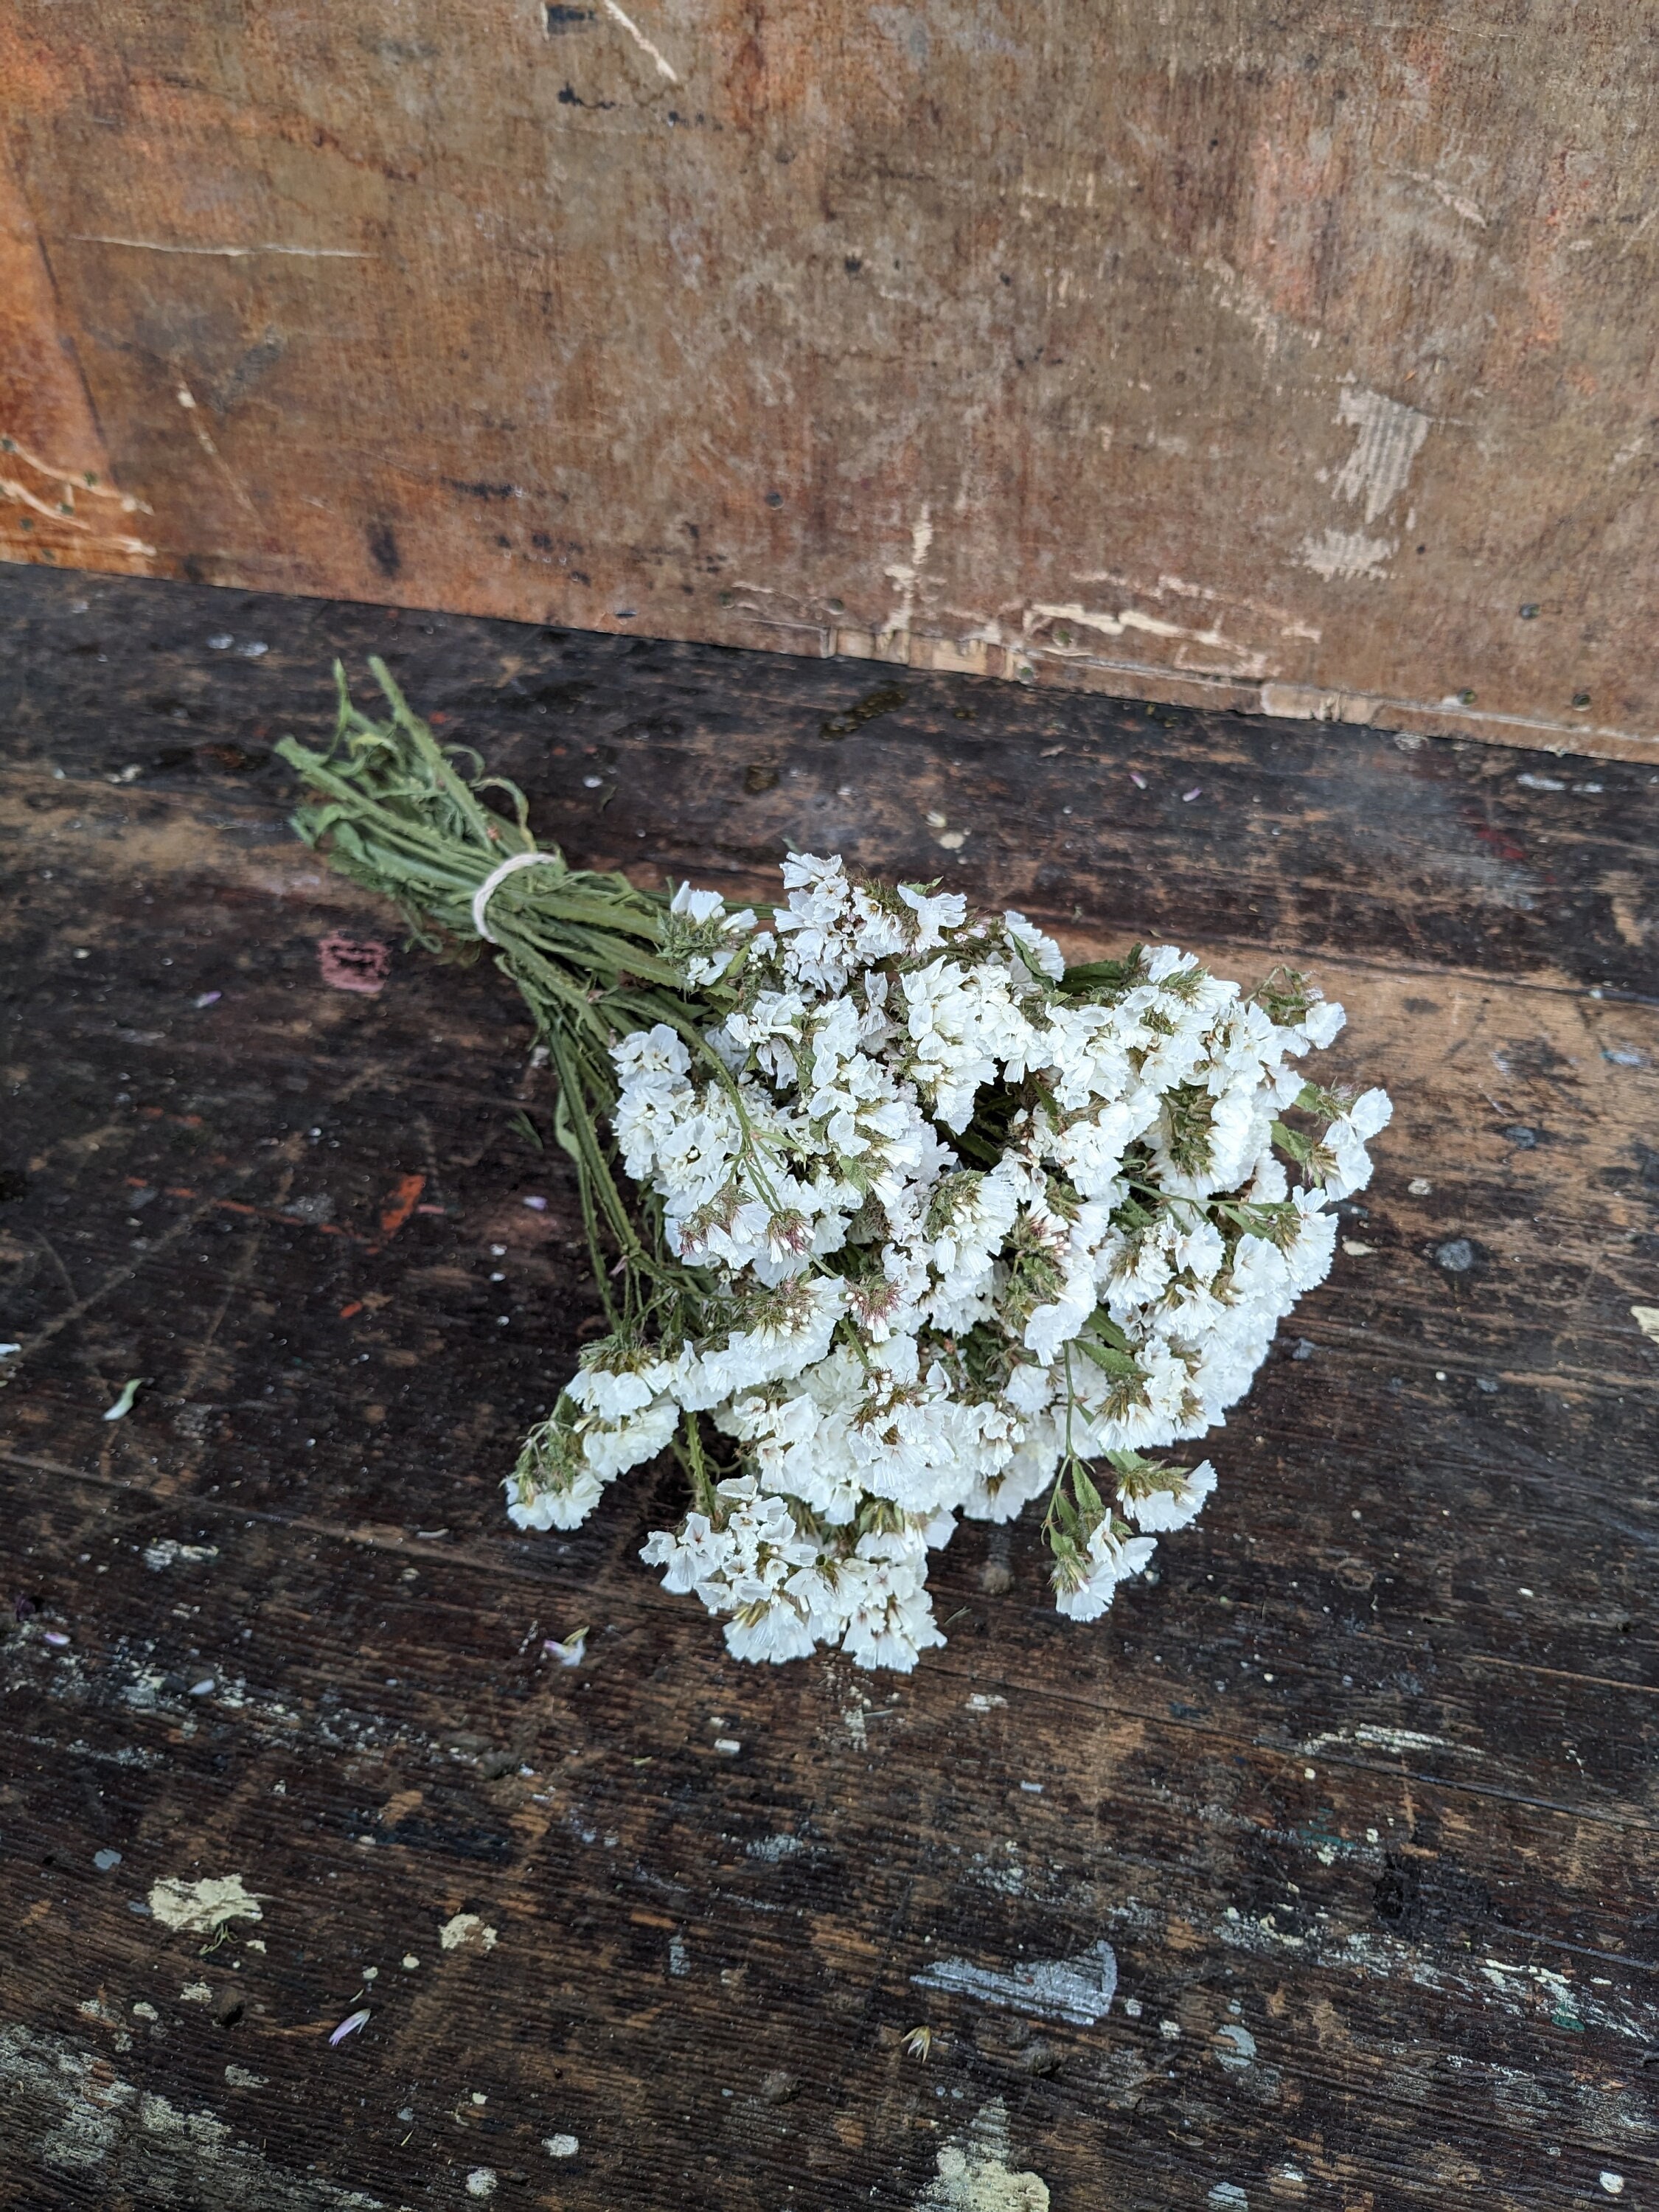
[
  {"x": 639, "y": 40},
  {"x": 226, "y": 253}
]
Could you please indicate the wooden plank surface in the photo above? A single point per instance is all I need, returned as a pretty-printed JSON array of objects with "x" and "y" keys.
[
  {"x": 1358, "y": 1798},
  {"x": 1296, "y": 361}
]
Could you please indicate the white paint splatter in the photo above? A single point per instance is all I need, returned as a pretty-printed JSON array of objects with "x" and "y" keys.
[
  {"x": 1228, "y": 2197},
  {"x": 165, "y": 1552},
  {"x": 481, "y": 2182},
  {"x": 200, "y": 1908},
  {"x": 1390, "y": 438},
  {"x": 1244, "y": 659},
  {"x": 466, "y": 1928},
  {"x": 639, "y": 40},
  {"x": 1235, "y": 2047},
  {"x": 1078, "y": 1990},
  {"x": 907, "y": 575},
  {"x": 1374, "y": 1737},
  {"x": 561, "y": 2146},
  {"x": 679, "y": 1958},
  {"x": 974, "y": 2174},
  {"x": 1347, "y": 555},
  {"x": 984, "y": 1701},
  {"x": 1534, "y": 1993},
  {"x": 69, "y": 2116},
  {"x": 1647, "y": 1320},
  {"x": 774, "y": 1847}
]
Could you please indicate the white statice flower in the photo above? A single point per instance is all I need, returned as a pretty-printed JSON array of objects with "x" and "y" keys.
[
  {"x": 1084, "y": 1586},
  {"x": 890, "y": 1622},
  {"x": 1171, "y": 1506},
  {"x": 1346, "y": 1141},
  {"x": 940, "y": 1226}
]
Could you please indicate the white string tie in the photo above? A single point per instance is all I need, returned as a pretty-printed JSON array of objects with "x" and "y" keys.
[{"x": 493, "y": 882}]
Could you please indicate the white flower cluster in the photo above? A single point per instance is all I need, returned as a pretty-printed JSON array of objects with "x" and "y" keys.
[{"x": 946, "y": 1229}]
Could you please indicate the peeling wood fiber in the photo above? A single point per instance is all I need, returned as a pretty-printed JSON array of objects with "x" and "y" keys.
[{"x": 1301, "y": 363}]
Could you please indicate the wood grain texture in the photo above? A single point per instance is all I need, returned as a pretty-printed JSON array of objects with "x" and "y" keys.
[
  {"x": 1359, "y": 1792},
  {"x": 1292, "y": 358}
]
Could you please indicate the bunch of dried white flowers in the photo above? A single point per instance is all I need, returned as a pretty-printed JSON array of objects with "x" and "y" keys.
[{"x": 896, "y": 1217}]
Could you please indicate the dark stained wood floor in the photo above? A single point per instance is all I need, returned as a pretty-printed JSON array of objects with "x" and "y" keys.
[{"x": 1359, "y": 1795}]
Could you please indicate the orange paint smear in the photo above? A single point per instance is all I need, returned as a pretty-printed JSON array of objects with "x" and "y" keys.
[{"x": 405, "y": 1199}]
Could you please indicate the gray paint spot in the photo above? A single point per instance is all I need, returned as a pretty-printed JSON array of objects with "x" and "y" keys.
[
  {"x": 1078, "y": 1990},
  {"x": 1234, "y": 2048}
]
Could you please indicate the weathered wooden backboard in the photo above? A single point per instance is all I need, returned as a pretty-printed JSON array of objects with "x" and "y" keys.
[{"x": 1292, "y": 358}]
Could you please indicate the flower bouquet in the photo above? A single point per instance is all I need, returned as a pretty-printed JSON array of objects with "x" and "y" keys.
[{"x": 896, "y": 1217}]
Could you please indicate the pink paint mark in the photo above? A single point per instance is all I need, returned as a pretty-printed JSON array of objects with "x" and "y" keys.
[
  {"x": 350, "y": 963},
  {"x": 1138, "y": 781}
]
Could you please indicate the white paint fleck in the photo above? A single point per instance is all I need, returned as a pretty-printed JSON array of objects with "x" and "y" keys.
[
  {"x": 1390, "y": 438},
  {"x": 1375, "y": 1737},
  {"x": 1113, "y": 623},
  {"x": 122, "y": 1405},
  {"x": 983, "y": 1701},
  {"x": 774, "y": 1847},
  {"x": 1612, "y": 2183},
  {"x": 481, "y": 2182},
  {"x": 1356, "y": 1250},
  {"x": 1347, "y": 555},
  {"x": 1647, "y": 1320},
  {"x": 165, "y": 1551},
  {"x": 1078, "y": 1990},
  {"x": 143, "y": 2009},
  {"x": 240, "y": 2078},
  {"x": 907, "y": 575},
  {"x": 1228, "y": 2197},
  {"x": 200, "y": 1908},
  {"x": 561, "y": 2146},
  {"x": 974, "y": 2174},
  {"x": 466, "y": 1928},
  {"x": 196, "y": 1993}
]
